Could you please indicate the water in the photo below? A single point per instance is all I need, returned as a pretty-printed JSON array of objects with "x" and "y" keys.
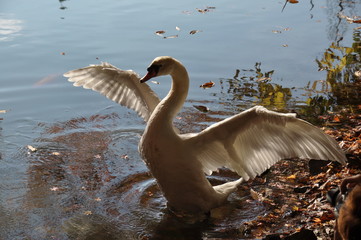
[{"x": 84, "y": 178}]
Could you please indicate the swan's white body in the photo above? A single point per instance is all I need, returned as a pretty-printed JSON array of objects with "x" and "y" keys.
[{"x": 247, "y": 143}]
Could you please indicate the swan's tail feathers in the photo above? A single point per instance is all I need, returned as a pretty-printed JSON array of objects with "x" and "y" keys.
[{"x": 227, "y": 188}]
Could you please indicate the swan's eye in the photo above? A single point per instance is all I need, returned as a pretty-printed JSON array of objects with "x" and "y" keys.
[{"x": 154, "y": 68}]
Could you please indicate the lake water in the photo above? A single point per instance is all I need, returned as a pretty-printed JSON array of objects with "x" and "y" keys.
[{"x": 70, "y": 168}]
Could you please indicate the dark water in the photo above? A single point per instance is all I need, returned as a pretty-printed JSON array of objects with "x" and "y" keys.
[{"x": 70, "y": 168}]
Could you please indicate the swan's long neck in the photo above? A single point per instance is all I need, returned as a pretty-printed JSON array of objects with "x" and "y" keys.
[{"x": 168, "y": 108}]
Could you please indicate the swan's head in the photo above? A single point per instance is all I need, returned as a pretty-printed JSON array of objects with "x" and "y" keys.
[{"x": 159, "y": 67}]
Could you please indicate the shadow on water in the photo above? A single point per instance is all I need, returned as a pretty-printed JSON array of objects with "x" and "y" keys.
[{"x": 85, "y": 180}]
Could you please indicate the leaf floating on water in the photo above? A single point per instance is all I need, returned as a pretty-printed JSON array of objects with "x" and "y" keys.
[
  {"x": 125, "y": 156},
  {"x": 207, "y": 85},
  {"x": 293, "y": 1},
  {"x": 31, "y": 148},
  {"x": 205, "y": 10},
  {"x": 276, "y": 31},
  {"x": 201, "y": 108},
  {"x": 194, "y": 32},
  {"x": 173, "y": 36},
  {"x": 160, "y": 33}
]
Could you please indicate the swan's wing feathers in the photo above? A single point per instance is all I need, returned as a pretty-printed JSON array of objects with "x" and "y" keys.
[
  {"x": 121, "y": 86},
  {"x": 252, "y": 141}
]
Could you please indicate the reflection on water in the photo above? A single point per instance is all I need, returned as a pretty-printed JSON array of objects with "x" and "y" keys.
[
  {"x": 9, "y": 28},
  {"x": 86, "y": 181},
  {"x": 251, "y": 87}
]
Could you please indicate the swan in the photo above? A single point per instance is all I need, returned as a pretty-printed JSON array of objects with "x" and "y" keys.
[{"x": 248, "y": 143}]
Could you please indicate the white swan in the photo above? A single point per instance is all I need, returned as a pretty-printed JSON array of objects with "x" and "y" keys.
[{"x": 247, "y": 143}]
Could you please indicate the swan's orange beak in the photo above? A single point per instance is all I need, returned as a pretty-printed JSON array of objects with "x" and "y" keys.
[{"x": 149, "y": 75}]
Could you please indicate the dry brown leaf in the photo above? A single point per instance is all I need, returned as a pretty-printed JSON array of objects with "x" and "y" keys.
[
  {"x": 207, "y": 85},
  {"x": 291, "y": 177},
  {"x": 194, "y": 32},
  {"x": 201, "y": 108},
  {"x": 255, "y": 195},
  {"x": 88, "y": 213},
  {"x": 160, "y": 33},
  {"x": 173, "y": 36},
  {"x": 293, "y": 1}
]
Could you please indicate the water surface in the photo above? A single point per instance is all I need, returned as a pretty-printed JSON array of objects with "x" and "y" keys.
[{"x": 82, "y": 177}]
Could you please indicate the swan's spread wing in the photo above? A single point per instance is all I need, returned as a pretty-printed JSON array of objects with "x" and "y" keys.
[
  {"x": 252, "y": 141},
  {"x": 121, "y": 86}
]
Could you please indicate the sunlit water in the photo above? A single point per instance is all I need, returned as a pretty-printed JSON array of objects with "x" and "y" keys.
[{"x": 82, "y": 177}]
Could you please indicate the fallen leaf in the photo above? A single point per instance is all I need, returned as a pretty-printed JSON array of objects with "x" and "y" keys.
[
  {"x": 293, "y": 1},
  {"x": 207, "y": 85},
  {"x": 54, "y": 189},
  {"x": 160, "y": 33},
  {"x": 336, "y": 119},
  {"x": 88, "y": 213},
  {"x": 125, "y": 156},
  {"x": 62, "y": 53},
  {"x": 31, "y": 148},
  {"x": 173, "y": 36},
  {"x": 292, "y": 177},
  {"x": 255, "y": 195},
  {"x": 194, "y": 32},
  {"x": 201, "y": 108}
]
